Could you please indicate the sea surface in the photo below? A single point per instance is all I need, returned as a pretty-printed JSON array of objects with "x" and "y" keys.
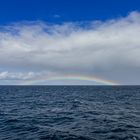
[{"x": 69, "y": 112}]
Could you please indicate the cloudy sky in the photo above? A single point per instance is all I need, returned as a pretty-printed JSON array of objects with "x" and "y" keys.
[{"x": 86, "y": 43}]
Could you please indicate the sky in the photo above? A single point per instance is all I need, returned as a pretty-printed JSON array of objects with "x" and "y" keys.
[{"x": 72, "y": 42}]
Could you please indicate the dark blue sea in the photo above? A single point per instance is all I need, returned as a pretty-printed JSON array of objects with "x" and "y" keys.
[{"x": 69, "y": 112}]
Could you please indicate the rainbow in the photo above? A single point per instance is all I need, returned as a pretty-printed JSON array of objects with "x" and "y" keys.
[{"x": 100, "y": 81}]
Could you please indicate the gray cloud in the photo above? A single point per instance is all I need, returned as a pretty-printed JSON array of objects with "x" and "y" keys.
[{"x": 107, "y": 49}]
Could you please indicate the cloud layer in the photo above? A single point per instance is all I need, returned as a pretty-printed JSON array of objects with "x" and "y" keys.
[{"x": 109, "y": 50}]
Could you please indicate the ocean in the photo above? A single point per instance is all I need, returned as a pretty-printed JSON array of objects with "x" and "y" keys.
[{"x": 69, "y": 112}]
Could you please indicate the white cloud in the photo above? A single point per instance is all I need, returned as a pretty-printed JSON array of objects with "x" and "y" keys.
[
  {"x": 56, "y": 16},
  {"x": 107, "y": 49},
  {"x": 17, "y": 75}
]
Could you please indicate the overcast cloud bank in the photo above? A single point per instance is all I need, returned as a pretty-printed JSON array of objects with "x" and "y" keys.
[{"x": 109, "y": 50}]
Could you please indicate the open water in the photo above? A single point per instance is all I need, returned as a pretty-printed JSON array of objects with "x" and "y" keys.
[{"x": 69, "y": 112}]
